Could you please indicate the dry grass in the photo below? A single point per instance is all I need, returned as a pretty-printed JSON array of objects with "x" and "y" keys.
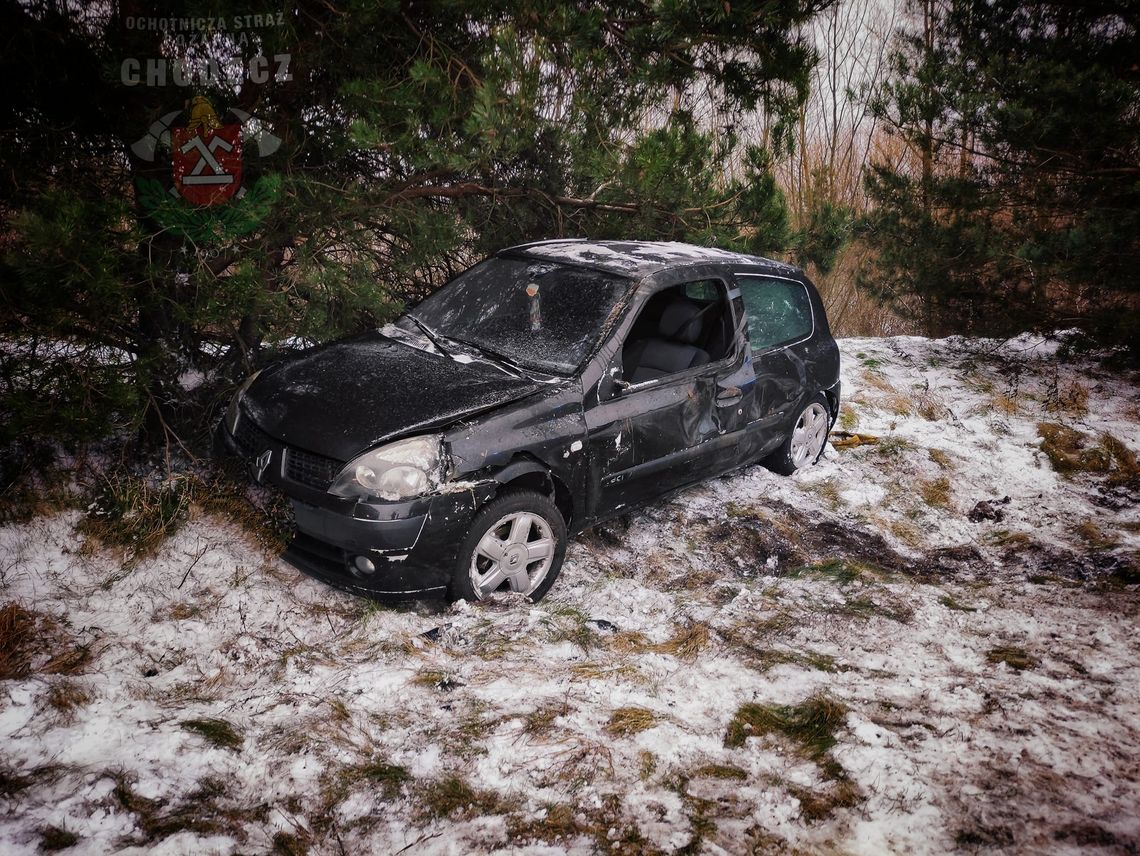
[
  {"x": 1072, "y": 451},
  {"x": 941, "y": 458},
  {"x": 827, "y": 490},
  {"x": 1016, "y": 658},
  {"x": 55, "y": 838},
  {"x": 1071, "y": 398},
  {"x": 729, "y": 772},
  {"x": 935, "y": 492},
  {"x": 1095, "y": 537},
  {"x": 687, "y": 642},
  {"x": 26, "y": 635},
  {"x": 906, "y": 532},
  {"x": 541, "y": 721},
  {"x": 135, "y": 513},
  {"x": 630, "y": 642},
  {"x": 600, "y": 671},
  {"x": 377, "y": 775},
  {"x": 630, "y": 720},
  {"x": 930, "y": 406},
  {"x": 848, "y": 418},
  {"x": 810, "y": 727},
  {"x": 815, "y": 805},
  {"x": 67, "y": 696},
  {"x": 583, "y": 762},
  {"x": 898, "y": 404},
  {"x": 646, "y": 764},
  {"x": 436, "y": 679},
  {"x": 1006, "y": 404},
  {"x": 877, "y": 381},
  {"x": 17, "y": 640},
  {"x": 225, "y": 492}
]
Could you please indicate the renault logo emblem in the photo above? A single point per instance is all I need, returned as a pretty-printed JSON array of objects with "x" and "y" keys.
[{"x": 262, "y": 463}]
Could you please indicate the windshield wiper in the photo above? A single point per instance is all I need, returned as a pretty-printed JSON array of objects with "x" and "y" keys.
[
  {"x": 432, "y": 337},
  {"x": 497, "y": 357}
]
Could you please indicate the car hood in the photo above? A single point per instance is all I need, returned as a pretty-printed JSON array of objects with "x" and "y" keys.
[{"x": 349, "y": 396}]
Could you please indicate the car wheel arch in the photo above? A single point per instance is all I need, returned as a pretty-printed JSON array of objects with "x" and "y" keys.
[{"x": 530, "y": 474}]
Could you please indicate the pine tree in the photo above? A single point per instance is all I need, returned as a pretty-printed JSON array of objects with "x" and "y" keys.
[
  {"x": 415, "y": 138},
  {"x": 1020, "y": 205}
]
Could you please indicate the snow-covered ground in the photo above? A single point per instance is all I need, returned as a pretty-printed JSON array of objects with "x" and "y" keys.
[{"x": 839, "y": 662}]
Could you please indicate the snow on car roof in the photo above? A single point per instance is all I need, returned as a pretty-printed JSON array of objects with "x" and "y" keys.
[{"x": 638, "y": 258}]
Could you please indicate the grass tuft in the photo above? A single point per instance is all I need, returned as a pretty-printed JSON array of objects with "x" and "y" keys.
[
  {"x": 451, "y": 796},
  {"x": 541, "y": 720},
  {"x": 1095, "y": 537},
  {"x": 66, "y": 696},
  {"x": 941, "y": 458},
  {"x": 893, "y": 447},
  {"x": 1016, "y": 658},
  {"x": 842, "y": 571},
  {"x": 810, "y": 725},
  {"x": 687, "y": 642},
  {"x": 1070, "y": 451},
  {"x": 219, "y": 732},
  {"x": 630, "y": 720},
  {"x": 1006, "y": 404},
  {"x": 388, "y": 778},
  {"x": 1072, "y": 398},
  {"x": 935, "y": 492},
  {"x": 950, "y": 603},
  {"x": 53, "y": 838},
  {"x": 136, "y": 513},
  {"x": 719, "y": 771},
  {"x": 18, "y": 639}
]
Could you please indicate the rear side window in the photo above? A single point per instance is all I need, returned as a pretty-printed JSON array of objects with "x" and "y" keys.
[{"x": 778, "y": 311}]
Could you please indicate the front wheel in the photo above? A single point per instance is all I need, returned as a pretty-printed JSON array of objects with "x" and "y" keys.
[
  {"x": 804, "y": 445},
  {"x": 516, "y": 543}
]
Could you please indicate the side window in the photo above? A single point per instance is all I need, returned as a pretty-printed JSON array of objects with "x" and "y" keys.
[
  {"x": 703, "y": 290},
  {"x": 679, "y": 328},
  {"x": 778, "y": 310}
]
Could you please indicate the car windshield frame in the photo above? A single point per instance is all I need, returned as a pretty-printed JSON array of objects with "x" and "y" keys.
[{"x": 496, "y": 307}]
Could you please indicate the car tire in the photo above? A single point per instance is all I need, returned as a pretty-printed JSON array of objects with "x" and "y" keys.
[
  {"x": 516, "y": 543},
  {"x": 804, "y": 444}
]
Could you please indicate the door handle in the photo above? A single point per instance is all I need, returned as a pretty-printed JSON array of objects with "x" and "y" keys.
[{"x": 729, "y": 396}]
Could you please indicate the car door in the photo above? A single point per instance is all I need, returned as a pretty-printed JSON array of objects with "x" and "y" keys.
[
  {"x": 779, "y": 323},
  {"x": 648, "y": 438}
]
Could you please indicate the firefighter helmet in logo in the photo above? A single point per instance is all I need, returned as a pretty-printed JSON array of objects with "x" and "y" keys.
[{"x": 207, "y": 156}]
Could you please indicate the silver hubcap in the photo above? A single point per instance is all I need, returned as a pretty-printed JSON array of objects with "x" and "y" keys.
[
  {"x": 517, "y": 550},
  {"x": 809, "y": 435}
]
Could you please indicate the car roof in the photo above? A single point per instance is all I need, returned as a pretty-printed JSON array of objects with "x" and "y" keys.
[{"x": 637, "y": 258}]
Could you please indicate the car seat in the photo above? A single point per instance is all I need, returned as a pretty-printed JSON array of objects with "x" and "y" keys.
[{"x": 672, "y": 350}]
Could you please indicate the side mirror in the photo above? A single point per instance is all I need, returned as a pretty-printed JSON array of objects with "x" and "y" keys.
[
  {"x": 616, "y": 379},
  {"x": 611, "y": 384}
]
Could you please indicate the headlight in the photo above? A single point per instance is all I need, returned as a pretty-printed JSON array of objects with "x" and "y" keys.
[
  {"x": 232, "y": 413},
  {"x": 396, "y": 471}
]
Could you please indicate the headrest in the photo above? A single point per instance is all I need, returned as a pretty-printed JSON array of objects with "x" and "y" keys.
[{"x": 680, "y": 322}]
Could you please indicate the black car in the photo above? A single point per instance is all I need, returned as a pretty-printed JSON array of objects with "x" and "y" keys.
[{"x": 549, "y": 387}]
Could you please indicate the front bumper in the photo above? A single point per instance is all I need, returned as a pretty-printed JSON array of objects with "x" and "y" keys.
[{"x": 412, "y": 545}]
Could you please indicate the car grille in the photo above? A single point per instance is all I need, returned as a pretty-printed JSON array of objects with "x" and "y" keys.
[
  {"x": 307, "y": 468},
  {"x": 251, "y": 438},
  {"x": 311, "y": 469}
]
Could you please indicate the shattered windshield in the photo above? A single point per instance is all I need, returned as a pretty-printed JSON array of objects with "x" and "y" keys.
[{"x": 539, "y": 315}]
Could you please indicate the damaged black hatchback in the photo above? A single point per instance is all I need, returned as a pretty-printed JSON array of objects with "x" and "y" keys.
[{"x": 547, "y": 388}]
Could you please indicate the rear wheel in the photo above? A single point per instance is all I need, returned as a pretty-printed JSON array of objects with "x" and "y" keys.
[
  {"x": 804, "y": 445},
  {"x": 516, "y": 543}
]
